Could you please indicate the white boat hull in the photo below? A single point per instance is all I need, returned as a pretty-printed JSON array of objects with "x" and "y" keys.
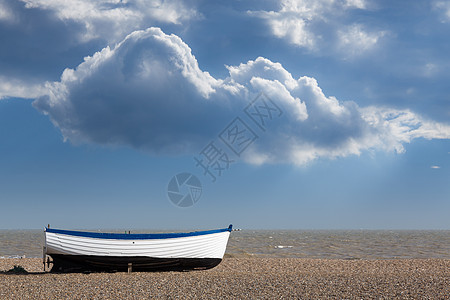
[{"x": 81, "y": 251}]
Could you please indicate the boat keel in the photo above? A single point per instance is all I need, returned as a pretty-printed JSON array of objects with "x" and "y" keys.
[{"x": 87, "y": 263}]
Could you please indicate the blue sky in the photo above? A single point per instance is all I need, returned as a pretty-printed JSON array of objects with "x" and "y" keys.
[{"x": 323, "y": 114}]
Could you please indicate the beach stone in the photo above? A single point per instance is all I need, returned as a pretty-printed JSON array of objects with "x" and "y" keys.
[{"x": 239, "y": 278}]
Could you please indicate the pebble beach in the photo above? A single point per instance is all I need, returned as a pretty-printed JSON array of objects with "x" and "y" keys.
[{"x": 240, "y": 278}]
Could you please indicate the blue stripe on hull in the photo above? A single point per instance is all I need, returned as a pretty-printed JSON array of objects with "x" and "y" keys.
[{"x": 143, "y": 236}]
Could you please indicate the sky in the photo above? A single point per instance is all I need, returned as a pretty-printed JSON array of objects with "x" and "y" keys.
[{"x": 273, "y": 114}]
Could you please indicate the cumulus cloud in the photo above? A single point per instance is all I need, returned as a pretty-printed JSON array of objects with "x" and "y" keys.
[
  {"x": 148, "y": 92},
  {"x": 303, "y": 23}
]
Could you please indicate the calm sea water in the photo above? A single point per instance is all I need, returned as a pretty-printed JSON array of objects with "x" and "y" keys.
[{"x": 344, "y": 244}]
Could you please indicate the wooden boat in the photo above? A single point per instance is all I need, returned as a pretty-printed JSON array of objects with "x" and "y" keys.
[{"x": 79, "y": 251}]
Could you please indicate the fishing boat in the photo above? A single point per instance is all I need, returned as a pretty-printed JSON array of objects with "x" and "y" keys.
[{"x": 80, "y": 251}]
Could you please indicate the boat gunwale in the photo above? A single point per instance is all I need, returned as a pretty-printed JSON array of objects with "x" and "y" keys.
[{"x": 135, "y": 236}]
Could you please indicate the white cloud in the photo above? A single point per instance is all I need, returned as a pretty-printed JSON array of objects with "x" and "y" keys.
[
  {"x": 113, "y": 19},
  {"x": 6, "y": 14},
  {"x": 393, "y": 128},
  {"x": 302, "y": 22},
  {"x": 293, "y": 19},
  {"x": 354, "y": 40},
  {"x": 10, "y": 87},
  {"x": 361, "y": 4},
  {"x": 292, "y": 28},
  {"x": 443, "y": 7},
  {"x": 435, "y": 167},
  {"x": 430, "y": 70},
  {"x": 148, "y": 92}
]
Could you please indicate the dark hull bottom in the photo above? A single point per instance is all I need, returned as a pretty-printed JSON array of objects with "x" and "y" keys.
[{"x": 86, "y": 263}]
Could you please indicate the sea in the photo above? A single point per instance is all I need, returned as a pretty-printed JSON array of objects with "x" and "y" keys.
[{"x": 330, "y": 244}]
